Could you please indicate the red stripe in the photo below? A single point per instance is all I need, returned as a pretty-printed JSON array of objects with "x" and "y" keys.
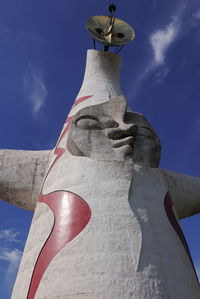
[
  {"x": 168, "y": 204},
  {"x": 69, "y": 118},
  {"x": 68, "y": 121},
  {"x": 71, "y": 214},
  {"x": 79, "y": 100}
]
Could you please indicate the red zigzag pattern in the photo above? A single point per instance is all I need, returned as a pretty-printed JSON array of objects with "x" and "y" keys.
[{"x": 71, "y": 215}]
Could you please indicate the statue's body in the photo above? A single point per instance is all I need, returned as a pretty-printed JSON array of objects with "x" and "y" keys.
[{"x": 105, "y": 224}]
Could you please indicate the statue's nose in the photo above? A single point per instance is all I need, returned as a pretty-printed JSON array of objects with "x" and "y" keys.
[{"x": 124, "y": 130}]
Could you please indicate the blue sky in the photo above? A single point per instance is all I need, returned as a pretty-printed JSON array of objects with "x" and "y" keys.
[{"x": 43, "y": 44}]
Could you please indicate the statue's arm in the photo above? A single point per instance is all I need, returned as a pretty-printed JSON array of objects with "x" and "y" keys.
[
  {"x": 21, "y": 176},
  {"x": 185, "y": 193}
]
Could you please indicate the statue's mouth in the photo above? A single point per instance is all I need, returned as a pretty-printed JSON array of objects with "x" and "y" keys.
[{"x": 129, "y": 140}]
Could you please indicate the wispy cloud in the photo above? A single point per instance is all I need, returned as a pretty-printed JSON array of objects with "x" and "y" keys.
[
  {"x": 161, "y": 74},
  {"x": 9, "y": 235},
  {"x": 192, "y": 18},
  {"x": 197, "y": 14},
  {"x": 161, "y": 39},
  {"x": 9, "y": 256},
  {"x": 34, "y": 88},
  {"x": 12, "y": 257}
]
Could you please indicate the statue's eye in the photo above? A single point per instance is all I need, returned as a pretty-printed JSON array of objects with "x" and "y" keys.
[{"x": 88, "y": 122}]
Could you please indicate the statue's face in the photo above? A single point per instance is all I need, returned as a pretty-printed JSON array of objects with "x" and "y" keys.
[{"x": 107, "y": 131}]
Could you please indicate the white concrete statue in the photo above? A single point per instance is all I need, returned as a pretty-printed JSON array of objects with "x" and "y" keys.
[{"x": 105, "y": 223}]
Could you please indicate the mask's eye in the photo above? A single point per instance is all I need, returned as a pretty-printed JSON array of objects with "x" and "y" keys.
[
  {"x": 88, "y": 122},
  {"x": 120, "y": 35},
  {"x": 99, "y": 30}
]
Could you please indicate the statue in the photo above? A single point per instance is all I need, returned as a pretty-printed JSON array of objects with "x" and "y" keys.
[{"x": 106, "y": 222}]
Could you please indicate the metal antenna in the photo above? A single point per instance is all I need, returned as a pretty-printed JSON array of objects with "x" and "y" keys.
[
  {"x": 112, "y": 8},
  {"x": 94, "y": 43}
]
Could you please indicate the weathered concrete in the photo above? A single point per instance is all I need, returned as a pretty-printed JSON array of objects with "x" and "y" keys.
[
  {"x": 132, "y": 246},
  {"x": 100, "y": 132},
  {"x": 108, "y": 131},
  {"x": 128, "y": 249},
  {"x": 21, "y": 176},
  {"x": 185, "y": 192},
  {"x": 41, "y": 227}
]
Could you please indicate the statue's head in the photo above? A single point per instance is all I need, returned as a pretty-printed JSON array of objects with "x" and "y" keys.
[{"x": 109, "y": 132}]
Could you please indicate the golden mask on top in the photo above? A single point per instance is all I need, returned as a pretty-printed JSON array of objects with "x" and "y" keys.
[{"x": 110, "y": 30}]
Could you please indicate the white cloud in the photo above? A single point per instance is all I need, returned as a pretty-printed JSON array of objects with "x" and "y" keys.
[
  {"x": 161, "y": 74},
  {"x": 186, "y": 16},
  {"x": 197, "y": 15},
  {"x": 194, "y": 20},
  {"x": 161, "y": 40},
  {"x": 12, "y": 257},
  {"x": 9, "y": 235},
  {"x": 34, "y": 88}
]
